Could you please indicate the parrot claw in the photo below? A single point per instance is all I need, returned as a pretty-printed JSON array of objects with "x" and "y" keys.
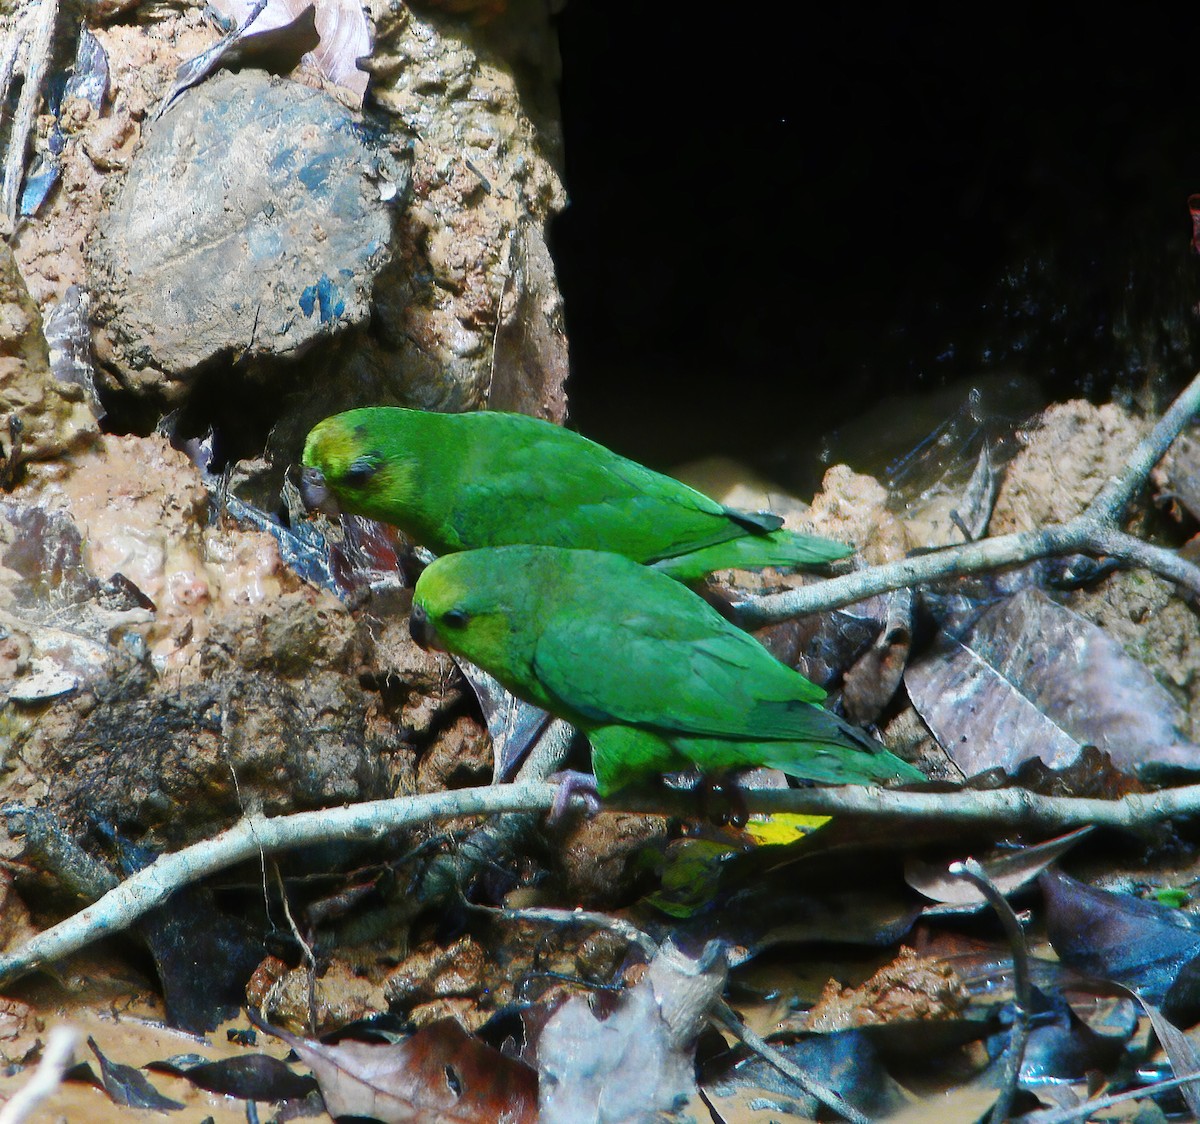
[
  {"x": 571, "y": 783},
  {"x": 723, "y": 801}
]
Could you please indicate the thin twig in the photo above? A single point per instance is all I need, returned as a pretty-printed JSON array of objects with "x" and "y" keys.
[
  {"x": 626, "y": 930},
  {"x": 1014, "y": 1056},
  {"x": 27, "y": 104},
  {"x": 152, "y": 886},
  {"x": 1076, "y": 1114},
  {"x": 491, "y": 844},
  {"x": 306, "y": 952},
  {"x": 1096, "y": 531},
  {"x": 1109, "y": 506},
  {"x": 726, "y": 1017},
  {"x": 57, "y": 1056}
]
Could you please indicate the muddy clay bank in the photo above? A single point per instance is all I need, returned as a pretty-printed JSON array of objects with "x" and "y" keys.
[
  {"x": 221, "y": 231},
  {"x": 250, "y": 253},
  {"x": 165, "y": 670}
]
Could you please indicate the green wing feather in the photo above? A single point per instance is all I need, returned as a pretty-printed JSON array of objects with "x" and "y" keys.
[
  {"x": 674, "y": 665},
  {"x": 828, "y": 757},
  {"x": 622, "y": 755},
  {"x": 536, "y": 482},
  {"x": 783, "y": 549}
]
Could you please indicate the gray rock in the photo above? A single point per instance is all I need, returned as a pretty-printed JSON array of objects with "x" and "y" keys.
[{"x": 252, "y": 223}]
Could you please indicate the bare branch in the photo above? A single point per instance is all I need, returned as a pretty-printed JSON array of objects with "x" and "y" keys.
[
  {"x": 56, "y": 1059},
  {"x": 1018, "y": 1038},
  {"x": 256, "y": 836},
  {"x": 1096, "y": 531}
]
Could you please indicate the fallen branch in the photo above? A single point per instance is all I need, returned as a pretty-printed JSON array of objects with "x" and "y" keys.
[
  {"x": 40, "y": 41},
  {"x": 1096, "y": 531},
  {"x": 257, "y": 835},
  {"x": 251, "y": 838}
]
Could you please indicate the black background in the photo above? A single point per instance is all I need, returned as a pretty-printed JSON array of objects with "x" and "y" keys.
[{"x": 774, "y": 222}]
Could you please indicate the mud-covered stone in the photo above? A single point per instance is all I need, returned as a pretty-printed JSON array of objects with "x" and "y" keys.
[
  {"x": 252, "y": 223},
  {"x": 1073, "y": 452},
  {"x": 595, "y": 858}
]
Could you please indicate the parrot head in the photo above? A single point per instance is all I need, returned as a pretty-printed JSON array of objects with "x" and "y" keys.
[
  {"x": 350, "y": 466},
  {"x": 465, "y": 604}
]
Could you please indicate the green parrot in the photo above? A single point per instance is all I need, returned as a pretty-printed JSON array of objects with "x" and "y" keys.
[
  {"x": 464, "y": 481},
  {"x": 655, "y": 677}
]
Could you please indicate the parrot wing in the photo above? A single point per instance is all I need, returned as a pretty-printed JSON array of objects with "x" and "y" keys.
[
  {"x": 674, "y": 666},
  {"x": 563, "y": 490},
  {"x": 826, "y": 755},
  {"x": 785, "y": 549}
]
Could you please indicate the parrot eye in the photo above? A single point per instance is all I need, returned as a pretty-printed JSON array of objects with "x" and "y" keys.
[
  {"x": 455, "y": 618},
  {"x": 360, "y": 471}
]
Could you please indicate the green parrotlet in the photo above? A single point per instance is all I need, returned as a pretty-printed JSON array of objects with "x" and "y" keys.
[
  {"x": 464, "y": 481},
  {"x": 656, "y": 678}
]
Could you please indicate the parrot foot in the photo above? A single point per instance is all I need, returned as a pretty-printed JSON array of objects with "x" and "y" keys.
[
  {"x": 723, "y": 801},
  {"x": 571, "y": 783}
]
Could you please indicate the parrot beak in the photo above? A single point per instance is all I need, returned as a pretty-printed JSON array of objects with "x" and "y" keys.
[
  {"x": 422, "y": 631},
  {"x": 316, "y": 494}
]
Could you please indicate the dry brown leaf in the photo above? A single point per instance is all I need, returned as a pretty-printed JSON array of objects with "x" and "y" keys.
[{"x": 441, "y": 1075}]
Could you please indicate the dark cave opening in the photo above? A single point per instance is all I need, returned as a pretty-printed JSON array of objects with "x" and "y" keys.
[{"x": 770, "y": 228}]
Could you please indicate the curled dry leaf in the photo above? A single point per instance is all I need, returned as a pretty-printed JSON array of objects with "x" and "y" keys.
[
  {"x": 342, "y": 29},
  {"x": 512, "y": 724},
  {"x": 1008, "y": 872},
  {"x": 869, "y": 685}
]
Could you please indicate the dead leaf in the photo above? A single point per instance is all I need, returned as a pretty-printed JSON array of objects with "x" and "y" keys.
[
  {"x": 128, "y": 1086},
  {"x": 1140, "y": 944},
  {"x": 440, "y": 1075},
  {"x": 249, "y": 1077},
  {"x": 873, "y": 680},
  {"x": 1008, "y": 871},
  {"x": 848, "y": 1062},
  {"x": 639, "y": 1060},
  {"x": 343, "y": 34},
  {"x": 1033, "y": 679},
  {"x": 513, "y": 725}
]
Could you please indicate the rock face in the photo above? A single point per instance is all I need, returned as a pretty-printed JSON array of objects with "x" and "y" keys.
[
  {"x": 253, "y": 222},
  {"x": 1075, "y": 449},
  {"x": 474, "y": 317}
]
